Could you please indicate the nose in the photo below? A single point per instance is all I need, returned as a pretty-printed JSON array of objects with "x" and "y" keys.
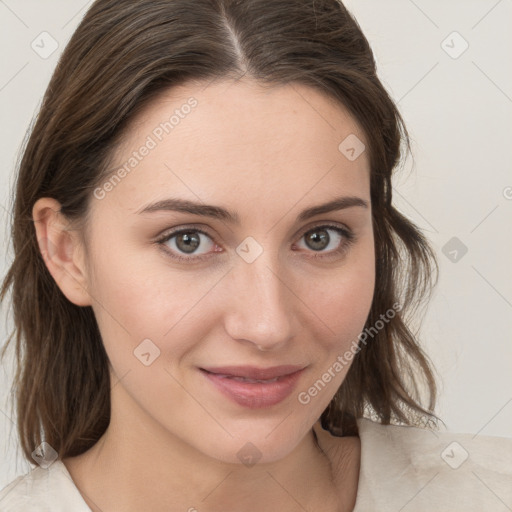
[{"x": 261, "y": 305}]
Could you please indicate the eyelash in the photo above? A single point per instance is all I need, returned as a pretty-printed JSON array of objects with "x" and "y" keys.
[{"x": 348, "y": 235}]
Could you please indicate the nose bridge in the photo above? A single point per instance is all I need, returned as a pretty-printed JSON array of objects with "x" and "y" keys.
[{"x": 261, "y": 309}]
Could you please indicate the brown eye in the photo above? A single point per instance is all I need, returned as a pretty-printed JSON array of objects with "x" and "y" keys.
[
  {"x": 334, "y": 238},
  {"x": 186, "y": 242},
  {"x": 318, "y": 239}
]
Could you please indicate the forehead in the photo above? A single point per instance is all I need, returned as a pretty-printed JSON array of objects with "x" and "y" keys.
[{"x": 239, "y": 142}]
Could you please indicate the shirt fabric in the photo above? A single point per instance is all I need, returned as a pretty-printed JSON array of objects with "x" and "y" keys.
[{"x": 402, "y": 469}]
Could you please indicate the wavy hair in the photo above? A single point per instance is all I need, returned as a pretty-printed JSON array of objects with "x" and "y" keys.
[{"x": 122, "y": 55}]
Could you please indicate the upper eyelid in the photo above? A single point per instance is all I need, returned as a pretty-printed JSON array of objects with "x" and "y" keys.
[{"x": 197, "y": 227}]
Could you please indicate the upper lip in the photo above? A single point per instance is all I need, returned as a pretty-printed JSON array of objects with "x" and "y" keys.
[{"x": 252, "y": 372}]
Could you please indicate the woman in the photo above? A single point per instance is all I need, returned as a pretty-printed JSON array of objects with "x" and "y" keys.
[{"x": 211, "y": 285}]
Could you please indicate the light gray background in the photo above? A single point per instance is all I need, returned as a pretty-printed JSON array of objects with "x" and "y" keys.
[{"x": 459, "y": 113}]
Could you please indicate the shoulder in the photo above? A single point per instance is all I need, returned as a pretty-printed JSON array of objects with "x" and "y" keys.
[
  {"x": 43, "y": 490},
  {"x": 420, "y": 469}
]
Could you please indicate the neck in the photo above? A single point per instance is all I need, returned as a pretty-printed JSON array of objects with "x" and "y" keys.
[{"x": 138, "y": 464}]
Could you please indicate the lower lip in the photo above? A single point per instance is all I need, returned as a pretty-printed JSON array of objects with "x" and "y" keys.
[{"x": 255, "y": 395}]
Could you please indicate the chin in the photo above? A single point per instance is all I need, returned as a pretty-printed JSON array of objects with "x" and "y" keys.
[{"x": 251, "y": 441}]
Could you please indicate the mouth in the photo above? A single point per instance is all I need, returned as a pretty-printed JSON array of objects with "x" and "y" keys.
[
  {"x": 252, "y": 373},
  {"x": 254, "y": 387}
]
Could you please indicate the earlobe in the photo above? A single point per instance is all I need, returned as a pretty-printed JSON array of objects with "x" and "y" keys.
[{"x": 61, "y": 251}]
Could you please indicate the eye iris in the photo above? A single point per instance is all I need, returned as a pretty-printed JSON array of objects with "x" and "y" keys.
[
  {"x": 190, "y": 240},
  {"x": 318, "y": 237}
]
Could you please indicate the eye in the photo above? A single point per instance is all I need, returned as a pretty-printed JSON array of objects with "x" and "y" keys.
[
  {"x": 318, "y": 238},
  {"x": 182, "y": 244},
  {"x": 186, "y": 241}
]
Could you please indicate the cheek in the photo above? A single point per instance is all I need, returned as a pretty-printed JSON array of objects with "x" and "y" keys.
[
  {"x": 342, "y": 306},
  {"x": 139, "y": 298},
  {"x": 342, "y": 299}
]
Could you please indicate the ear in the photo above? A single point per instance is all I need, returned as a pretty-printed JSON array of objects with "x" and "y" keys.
[{"x": 61, "y": 250}]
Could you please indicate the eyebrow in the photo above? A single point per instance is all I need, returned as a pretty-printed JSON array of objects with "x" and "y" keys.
[{"x": 217, "y": 212}]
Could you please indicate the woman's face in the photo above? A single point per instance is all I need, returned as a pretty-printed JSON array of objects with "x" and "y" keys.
[{"x": 258, "y": 278}]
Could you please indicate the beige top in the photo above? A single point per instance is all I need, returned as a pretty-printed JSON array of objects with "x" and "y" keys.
[{"x": 402, "y": 469}]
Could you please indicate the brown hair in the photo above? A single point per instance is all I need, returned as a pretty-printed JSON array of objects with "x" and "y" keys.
[{"x": 122, "y": 55}]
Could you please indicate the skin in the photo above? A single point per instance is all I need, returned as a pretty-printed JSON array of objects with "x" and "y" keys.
[{"x": 173, "y": 438}]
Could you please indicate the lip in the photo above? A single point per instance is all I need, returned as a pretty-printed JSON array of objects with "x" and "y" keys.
[
  {"x": 255, "y": 395},
  {"x": 252, "y": 372}
]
